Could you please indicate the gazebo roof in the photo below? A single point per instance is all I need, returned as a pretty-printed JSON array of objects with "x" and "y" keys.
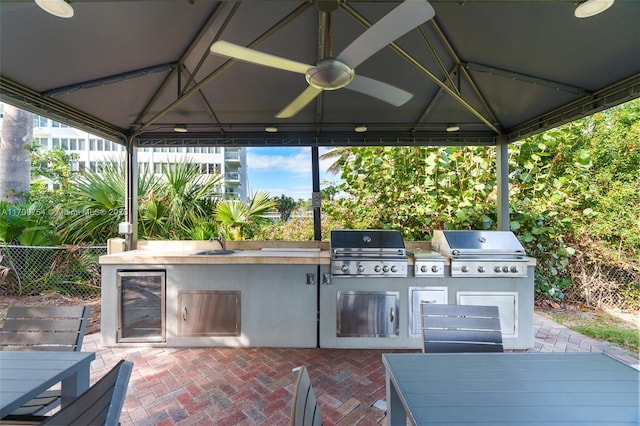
[{"x": 499, "y": 69}]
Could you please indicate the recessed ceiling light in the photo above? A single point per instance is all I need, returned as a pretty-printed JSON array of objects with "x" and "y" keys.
[
  {"x": 271, "y": 129},
  {"x": 453, "y": 128},
  {"x": 180, "y": 128},
  {"x": 58, "y": 8},
  {"x": 590, "y": 8},
  {"x": 361, "y": 128}
]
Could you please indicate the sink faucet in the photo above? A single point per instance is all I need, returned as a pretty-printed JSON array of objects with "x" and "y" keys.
[{"x": 220, "y": 240}]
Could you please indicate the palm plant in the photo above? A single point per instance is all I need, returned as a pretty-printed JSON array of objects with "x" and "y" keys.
[
  {"x": 168, "y": 207},
  {"x": 190, "y": 197},
  {"x": 95, "y": 206},
  {"x": 241, "y": 220}
]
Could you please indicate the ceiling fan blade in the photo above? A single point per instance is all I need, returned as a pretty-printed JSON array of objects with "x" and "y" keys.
[
  {"x": 241, "y": 53},
  {"x": 401, "y": 20},
  {"x": 300, "y": 102},
  {"x": 377, "y": 89}
]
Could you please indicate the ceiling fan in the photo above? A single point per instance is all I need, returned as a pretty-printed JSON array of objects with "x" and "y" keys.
[{"x": 334, "y": 73}]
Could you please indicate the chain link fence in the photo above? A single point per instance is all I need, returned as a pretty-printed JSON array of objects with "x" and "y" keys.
[
  {"x": 33, "y": 270},
  {"x": 604, "y": 284}
]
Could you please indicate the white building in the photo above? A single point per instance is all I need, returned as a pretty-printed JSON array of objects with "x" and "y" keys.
[{"x": 93, "y": 152}]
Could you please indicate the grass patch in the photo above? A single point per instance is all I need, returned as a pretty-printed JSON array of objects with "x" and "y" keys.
[
  {"x": 628, "y": 339},
  {"x": 601, "y": 326}
]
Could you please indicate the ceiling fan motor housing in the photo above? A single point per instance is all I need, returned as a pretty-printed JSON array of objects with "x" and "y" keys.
[{"x": 329, "y": 74}]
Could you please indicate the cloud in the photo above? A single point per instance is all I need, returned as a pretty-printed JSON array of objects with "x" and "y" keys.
[
  {"x": 284, "y": 170},
  {"x": 298, "y": 163}
]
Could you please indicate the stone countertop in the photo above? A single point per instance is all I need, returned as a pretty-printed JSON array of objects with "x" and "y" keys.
[
  {"x": 246, "y": 252},
  {"x": 288, "y": 256}
]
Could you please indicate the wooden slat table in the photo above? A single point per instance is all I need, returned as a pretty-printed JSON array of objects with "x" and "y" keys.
[
  {"x": 26, "y": 374},
  {"x": 511, "y": 389}
]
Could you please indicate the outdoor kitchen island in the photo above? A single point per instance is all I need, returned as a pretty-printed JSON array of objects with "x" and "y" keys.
[{"x": 283, "y": 294}]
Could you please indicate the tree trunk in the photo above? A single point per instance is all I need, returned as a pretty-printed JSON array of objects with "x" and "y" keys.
[{"x": 15, "y": 162}]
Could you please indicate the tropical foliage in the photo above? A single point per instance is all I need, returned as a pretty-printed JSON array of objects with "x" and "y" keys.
[
  {"x": 564, "y": 184},
  {"x": 241, "y": 221}
]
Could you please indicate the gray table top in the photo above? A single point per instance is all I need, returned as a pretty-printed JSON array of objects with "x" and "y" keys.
[
  {"x": 25, "y": 374},
  {"x": 515, "y": 388}
]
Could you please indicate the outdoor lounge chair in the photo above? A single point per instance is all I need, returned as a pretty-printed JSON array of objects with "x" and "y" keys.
[
  {"x": 100, "y": 405},
  {"x": 38, "y": 328},
  {"x": 460, "y": 328},
  {"x": 304, "y": 406}
]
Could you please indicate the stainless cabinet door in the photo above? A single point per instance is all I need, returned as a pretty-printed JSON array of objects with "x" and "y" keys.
[
  {"x": 368, "y": 314},
  {"x": 209, "y": 313}
]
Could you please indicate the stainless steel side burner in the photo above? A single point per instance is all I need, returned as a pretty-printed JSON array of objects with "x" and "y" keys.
[
  {"x": 428, "y": 264},
  {"x": 482, "y": 253},
  {"x": 368, "y": 253}
]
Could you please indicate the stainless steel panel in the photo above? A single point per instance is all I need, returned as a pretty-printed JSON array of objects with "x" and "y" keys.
[
  {"x": 368, "y": 314},
  {"x": 370, "y": 268},
  {"x": 499, "y": 268},
  {"x": 209, "y": 313},
  {"x": 417, "y": 295}
]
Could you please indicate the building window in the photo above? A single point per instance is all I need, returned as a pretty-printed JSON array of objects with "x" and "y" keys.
[
  {"x": 92, "y": 166},
  {"x": 56, "y": 124},
  {"x": 39, "y": 121},
  {"x": 81, "y": 166},
  {"x": 42, "y": 142}
]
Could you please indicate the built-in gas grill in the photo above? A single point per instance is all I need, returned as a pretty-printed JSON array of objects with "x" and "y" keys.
[
  {"x": 368, "y": 253},
  {"x": 482, "y": 253}
]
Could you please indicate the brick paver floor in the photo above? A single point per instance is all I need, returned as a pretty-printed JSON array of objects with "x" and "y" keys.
[{"x": 221, "y": 386}]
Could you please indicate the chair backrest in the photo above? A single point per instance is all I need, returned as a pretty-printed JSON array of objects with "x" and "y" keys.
[
  {"x": 304, "y": 406},
  {"x": 460, "y": 328},
  {"x": 39, "y": 328},
  {"x": 101, "y": 404}
]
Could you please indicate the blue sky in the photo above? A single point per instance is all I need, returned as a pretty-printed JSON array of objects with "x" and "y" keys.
[{"x": 283, "y": 171}]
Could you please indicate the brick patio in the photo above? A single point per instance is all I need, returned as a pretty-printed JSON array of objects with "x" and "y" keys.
[{"x": 207, "y": 386}]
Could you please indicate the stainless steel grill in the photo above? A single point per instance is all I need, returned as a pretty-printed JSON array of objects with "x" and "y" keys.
[
  {"x": 482, "y": 253},
  {"x": 368, "y": 253}
]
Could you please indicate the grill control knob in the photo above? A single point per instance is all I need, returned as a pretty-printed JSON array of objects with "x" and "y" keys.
[
  {"x": 385, "y": 268},
  {"x": 377, "y": 268},
  {"x": 514, "y": 269},
  {"x": 360, "y": 268},
  {"x": 424, "y": 268},
  {"x": 394, "y": 268},
  {"x": 481, "y": 268},
  {"x": 435, "y": 268},
  {"x": 465, "y": 268},
  {"x": 344, "y": 268},
  {"x": 505, "y": 269},
  {"x": 497, "y": 269}
]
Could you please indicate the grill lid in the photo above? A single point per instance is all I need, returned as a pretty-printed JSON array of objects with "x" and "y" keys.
[
  {"x": 466, "y": 244},
  {"x": 369, "y": 241}
]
